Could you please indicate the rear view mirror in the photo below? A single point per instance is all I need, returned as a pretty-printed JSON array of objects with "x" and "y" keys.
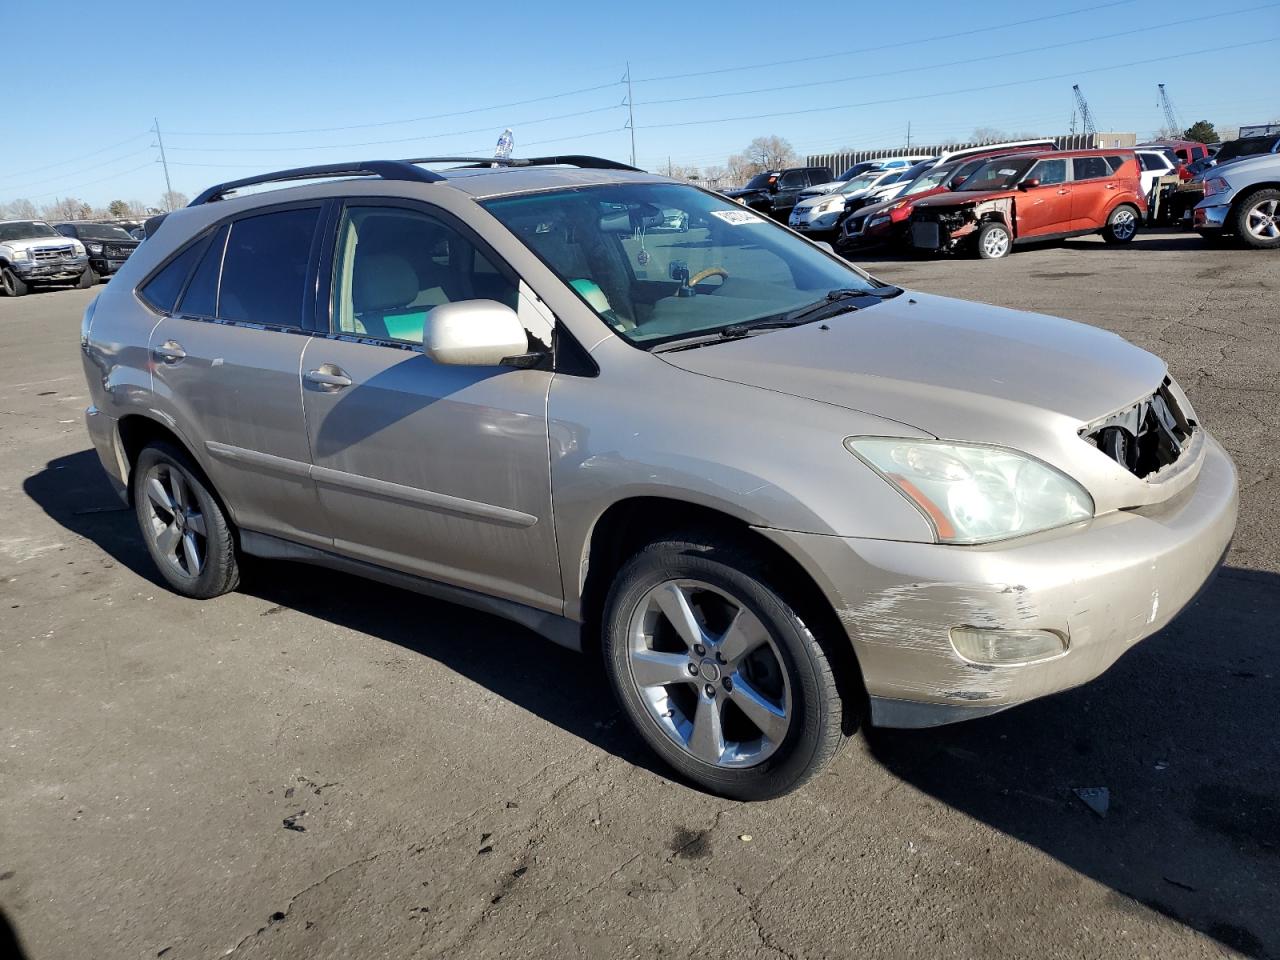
[
  {"x": 473, "y": 333},
  {"x": 1028, "y": 184},
  {"x": 630, "y": 218}
]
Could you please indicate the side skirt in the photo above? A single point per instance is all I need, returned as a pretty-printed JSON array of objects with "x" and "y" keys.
[{"x": 557, "y": 629}]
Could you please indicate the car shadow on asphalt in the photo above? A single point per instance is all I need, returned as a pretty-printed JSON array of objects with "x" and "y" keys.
[
  {"x": 531, "y": 672},
  {"x": 1181, "y": 732}
]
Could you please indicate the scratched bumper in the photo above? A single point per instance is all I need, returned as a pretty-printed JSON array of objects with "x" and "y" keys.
[{"x": 1105, "y": 584}]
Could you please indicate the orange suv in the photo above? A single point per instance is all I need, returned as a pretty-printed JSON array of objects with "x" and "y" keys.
[{"x": 1034, "y": 196}]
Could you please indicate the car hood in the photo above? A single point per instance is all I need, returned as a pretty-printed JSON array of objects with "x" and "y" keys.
[
  {"x": 822, "y": 198},
  {"x": 965, "y": 198},
  {"x": 743, "y": 191},
  {"x": 955, "y": 369},
  {"x": 58, "y": 241}
]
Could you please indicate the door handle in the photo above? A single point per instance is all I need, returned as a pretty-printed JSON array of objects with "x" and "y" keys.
[
  {"x": 170, "y": 352},
  {"x": 1113, "y": 186},
  {"x": 329, "y": 376},
  {"x": 1063, "y": 193}
]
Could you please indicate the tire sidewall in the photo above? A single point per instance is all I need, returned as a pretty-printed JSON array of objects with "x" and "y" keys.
[
  {"x": 791, "y": 763},
  {"x": 219, "y": 562},
  {"x": 990, "y": 228},
  {"x": 1241, "y": 219},
  {"x": 1110, "y": 233}
]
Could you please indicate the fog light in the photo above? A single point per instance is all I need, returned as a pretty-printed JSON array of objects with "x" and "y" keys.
[{"x": 1006, "y": 647}]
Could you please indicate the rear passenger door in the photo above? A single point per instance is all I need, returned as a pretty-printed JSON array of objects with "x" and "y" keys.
[
  {"x": 436, "y": 470},
  {"x": 1045, "y": 208},
  {"x": 1093, "y": 189},
  {"x": 225, "y": 365}
]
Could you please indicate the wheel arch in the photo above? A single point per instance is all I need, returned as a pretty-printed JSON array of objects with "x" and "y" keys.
[
  {"x": 137, "y": 430},
  {"x": 629, "y": 524},
  {"x": 1245, "y": 193}
]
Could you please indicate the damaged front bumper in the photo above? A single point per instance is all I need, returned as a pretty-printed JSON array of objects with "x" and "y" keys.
[
  {"x": 1102, "y": 586},
  {"x": 942, "y": 231}
]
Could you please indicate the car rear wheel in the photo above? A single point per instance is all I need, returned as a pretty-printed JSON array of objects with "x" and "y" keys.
[
  {"x": 717, "y": 671},
  {"x": 1122, "y": 225},
  {"x": 1257, "y": 219},
  {"x": 994, "y": 241},
  {"x": 11, "y": 285},
  {"x": 185, "y": 530}
]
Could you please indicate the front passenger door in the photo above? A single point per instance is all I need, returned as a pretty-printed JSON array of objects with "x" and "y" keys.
[
  {"x": 1045, "y": 209},
  {"x": 435, "y": 470}
]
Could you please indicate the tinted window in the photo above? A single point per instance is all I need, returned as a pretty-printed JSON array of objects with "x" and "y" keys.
[
  {"x": 1090, "y": 168},
  {"x": 201, "y": 298},
  {"x": 394, "y": 266},
  {"x": 162, "y": 290},
  {"x": 794, "y": 178},
  {"x": 1049, "y": 172},
  {"x": 264, "y": 272}
]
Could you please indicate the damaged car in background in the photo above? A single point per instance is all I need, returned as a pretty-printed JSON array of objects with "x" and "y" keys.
[{"x": 1034, "y": 197}]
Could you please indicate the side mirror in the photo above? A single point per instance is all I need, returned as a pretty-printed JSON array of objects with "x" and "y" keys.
[
  {"x": 1028, "y": 184},
  {"x": 825, "y": 247},
  {"x": 957, "y": 181},
  {"x": 473, "y": 333}
]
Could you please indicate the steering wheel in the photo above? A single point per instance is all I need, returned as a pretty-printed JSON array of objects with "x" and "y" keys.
[{"x": 701, "y": 275}]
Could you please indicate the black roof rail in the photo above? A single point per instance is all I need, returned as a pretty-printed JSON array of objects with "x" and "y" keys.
[
  {"x": 386, "y": 169},
  {"x": 569, "y": 160}
]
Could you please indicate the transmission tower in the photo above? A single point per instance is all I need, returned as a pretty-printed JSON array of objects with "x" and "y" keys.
[
  {"x": 1086, "y": 118},
  {"x": 1170, "y": 118}
]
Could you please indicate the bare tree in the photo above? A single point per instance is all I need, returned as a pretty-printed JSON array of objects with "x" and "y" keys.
[
  {"x": 67, "y": 208},
  {"x": 770, "y": 153},
  {"x": 20, "y": 209},
  {"x": 715, "y": 176},
  {"x": 172, "y": 200},
  {"x": 738, "y": 169}
]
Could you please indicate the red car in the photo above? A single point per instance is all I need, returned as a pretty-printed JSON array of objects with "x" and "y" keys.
[
  {"x": 1187, "y": 152},
  {"x": 886, "y": 222},
  {"x": 1025, "y": 197}
]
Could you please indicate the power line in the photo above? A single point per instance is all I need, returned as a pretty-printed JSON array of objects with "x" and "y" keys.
[
  {"x": 74, "y": 173},
  {"x": 70, "y": 190},
  {"x": 392, "y": 123},
  {"x": 414, "y": 139},
  {"x": 84, "y": 156},
  {"x": 957, "y": 90},
  {"x": 1147, "y": 28},
  {"x": 889, "y": 46}
]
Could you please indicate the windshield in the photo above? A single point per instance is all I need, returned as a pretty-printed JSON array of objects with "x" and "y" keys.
[
  {"x": 864, "y": 182},
  {"x": 27, "y": 230},
  {"x": 928, "y": 181},
  {"x": 101, "y": 231},
  {"x": 652, "y": 282},
  {"x": 856, "y": 169},
  {"x": 998, "y": 174},
  {"x": 1245, "y": 147},
  {"x": 760, "y": 181}
]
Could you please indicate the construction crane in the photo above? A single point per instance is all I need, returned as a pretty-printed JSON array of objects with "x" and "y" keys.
[
  {"x": 1086, "y": 118},
  {"x": 1170, "y": 118}
]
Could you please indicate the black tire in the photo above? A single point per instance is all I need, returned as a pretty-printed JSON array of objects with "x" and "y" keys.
[
  {"x": 87, "y": 279},
  {"x": 816, "y": 720},
  {"x": 1244, "y": 219},
  {"x": 1122, "y": 224},
  {"x": 219, "y": 571},
  {"x": 12, "y": 285},
  {"x": 989, "y": 244}
]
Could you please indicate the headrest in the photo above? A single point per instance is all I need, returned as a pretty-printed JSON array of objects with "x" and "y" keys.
[{"x": 382, "y": 281}]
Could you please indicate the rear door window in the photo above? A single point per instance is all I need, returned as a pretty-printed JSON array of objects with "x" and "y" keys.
[
  {"x": 1090, "y": 168},
  {"x": 264, "y": 270}
]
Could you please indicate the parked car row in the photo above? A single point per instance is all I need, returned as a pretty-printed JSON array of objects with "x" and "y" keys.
[{"x": 35, "y": 253}]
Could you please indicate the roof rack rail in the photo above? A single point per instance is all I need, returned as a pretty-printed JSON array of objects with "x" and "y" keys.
[
  {"x": 569, "y": 159},
  {"x": 386, "y": 169}
]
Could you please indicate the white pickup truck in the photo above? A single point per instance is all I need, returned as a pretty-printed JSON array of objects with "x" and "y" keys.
[{"x": 32, "y": 252}]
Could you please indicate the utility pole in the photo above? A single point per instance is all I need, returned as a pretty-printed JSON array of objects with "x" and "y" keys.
[
  {"x": 168, "y": 187},
  {"x": 631, "y": 116},
  {"x": 908, "y": 136}
]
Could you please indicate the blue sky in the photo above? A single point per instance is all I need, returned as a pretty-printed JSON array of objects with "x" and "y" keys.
[{"x": 228, "y": 82}]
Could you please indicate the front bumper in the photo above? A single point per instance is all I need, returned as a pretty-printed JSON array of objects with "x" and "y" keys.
[
  {"x": 106, "y": 265},
  {"x": 68, "y": 268},
  {"x": 1104, "y": 585},
  {"x": 823, "y": 223}
]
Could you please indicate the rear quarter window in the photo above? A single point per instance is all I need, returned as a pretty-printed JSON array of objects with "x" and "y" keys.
[{"x": 162, "y": 290}]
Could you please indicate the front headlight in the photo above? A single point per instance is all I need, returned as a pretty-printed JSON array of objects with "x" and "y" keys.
[
  {"x": 94, "y": 248},
  {"x": 1216, "y": 185},
  {"x": 78, "y": 247},
  {"x": 21, "y": 254},
  {"x": 826, "y": 206},
  {"x": 972, "y": 493},
  {"x": 876, "y": 221}
]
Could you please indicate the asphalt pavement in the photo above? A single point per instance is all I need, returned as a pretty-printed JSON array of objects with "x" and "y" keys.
[{"x": 319, "y": 766}]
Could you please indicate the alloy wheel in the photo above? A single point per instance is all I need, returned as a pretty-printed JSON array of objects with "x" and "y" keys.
[
  {"x": 995, "y": 244},
  {"x": 174, "y": 522},
  {"x": 1263, "y": 220},
  {"x": 709, "y": 673},
  {"x": 1123, "y": 225}
]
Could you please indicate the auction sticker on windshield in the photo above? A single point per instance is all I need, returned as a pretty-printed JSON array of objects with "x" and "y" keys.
[{"x": 736, "y": 218}]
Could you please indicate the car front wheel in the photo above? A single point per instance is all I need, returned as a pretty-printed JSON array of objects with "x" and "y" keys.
[
  {"x": 1257, "y": 220},
  {"x": 11, "y": 285},
  {"x": 718, "y": 672},
  {"x": 1122, "y": 225},
  {"x": 994, "y": 241}
]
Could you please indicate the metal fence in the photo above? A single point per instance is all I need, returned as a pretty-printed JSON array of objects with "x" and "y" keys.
[{"x": 1071, "y": 141}]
